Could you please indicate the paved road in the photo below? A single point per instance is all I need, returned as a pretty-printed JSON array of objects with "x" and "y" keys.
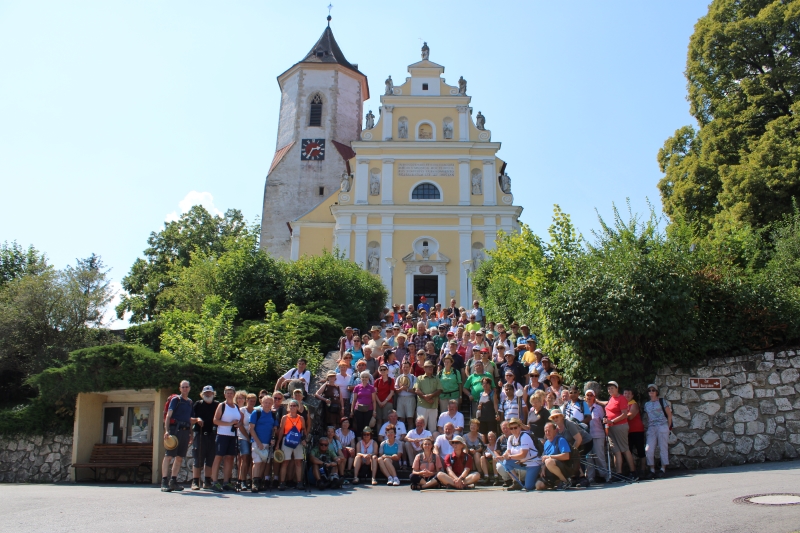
[{"x": 701, "y": 502}]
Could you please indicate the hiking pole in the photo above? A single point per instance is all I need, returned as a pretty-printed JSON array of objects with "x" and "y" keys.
[
  {"x": 609, "y": 473},
  {"x": 608, "y": 457}
]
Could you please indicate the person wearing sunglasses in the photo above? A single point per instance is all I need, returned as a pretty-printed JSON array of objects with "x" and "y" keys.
[
  {"x": 521, "y": 457},
  {"x": 178, "y": 423},
  {"x": 659, "y": 415},
  {"x": 293, "y": 452},
  {"x": 326, "y": 464},
  {"x": 356, "y": 352}
]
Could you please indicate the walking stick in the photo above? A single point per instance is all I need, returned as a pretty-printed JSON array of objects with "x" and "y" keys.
[{"x": 608, "y": 457}]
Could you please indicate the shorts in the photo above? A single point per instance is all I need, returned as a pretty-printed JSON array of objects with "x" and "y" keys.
[
  {"x": 204, "y": 449},
  {"x": 261, "y": 456},
  {"x": 406, "y": 407},
  {"x": 383, "y": 412},
  {"x": 297, "y": 452},
  {"x": 566, "y": 470},
  {"x": 431, "y": 417},
  {"x": 226, "y": 445},
  {"x": 244, "y": 447},
  {"x": 618, "y": 435},
  {"x": 183, "y": 443},
  {"x": 636, "y": 443},
  {"x": 417, "y": 479}
]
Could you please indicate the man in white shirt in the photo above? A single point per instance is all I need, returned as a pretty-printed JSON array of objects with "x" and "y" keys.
[
  {"x": 376, "y": 340},
  {"x": 453, "y": 416},
  {"x": 414, "y": 438},
  {"x": 442, "y": 443},
  {"x": 400, "y": 428},
  {"x": 296, "y": 373}
]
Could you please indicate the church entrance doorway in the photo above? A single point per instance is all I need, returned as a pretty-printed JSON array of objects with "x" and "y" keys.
[{"x": 427, "y": 286}]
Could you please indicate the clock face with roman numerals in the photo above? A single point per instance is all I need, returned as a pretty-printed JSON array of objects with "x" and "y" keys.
[{"x": 312, "y": 150}]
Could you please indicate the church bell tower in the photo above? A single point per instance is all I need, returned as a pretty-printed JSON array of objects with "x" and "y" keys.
[{"x": 322, "y": 100}]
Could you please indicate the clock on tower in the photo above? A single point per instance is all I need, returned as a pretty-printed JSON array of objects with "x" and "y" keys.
[{"x": 312, "y": 150}]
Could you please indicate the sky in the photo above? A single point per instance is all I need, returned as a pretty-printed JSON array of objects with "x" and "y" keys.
[{"x": 117, "y": 116}]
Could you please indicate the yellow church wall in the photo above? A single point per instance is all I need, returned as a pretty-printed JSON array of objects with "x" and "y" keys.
[
  {"x": 426, "y": 220},
  {"x": 314, "y": 240}
]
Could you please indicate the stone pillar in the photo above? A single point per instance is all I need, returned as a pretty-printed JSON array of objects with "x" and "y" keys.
[
  {"x": 342, "y": 238},
  {"x": 387, "y": 245},
  {"x": 441, "y": 273},
  {"x": 489, "y": 183},
  {"x": 387, "y": 187},
  {"x": 295, "y": 253},
  {"x": 362, "y": 181},
  {"x": 360, "y": 252},
  {"x": 463, "y": 123},
  {"x": 464, "y": 186},
  {"x": 464, "y": 253},
  {"x": 386, "y": 119},
  {"x": 409, "y": 284},
  {"x": 489, "y": 232}
]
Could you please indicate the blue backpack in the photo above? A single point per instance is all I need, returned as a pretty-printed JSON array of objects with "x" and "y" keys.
[{"x": 293, "y": 438}]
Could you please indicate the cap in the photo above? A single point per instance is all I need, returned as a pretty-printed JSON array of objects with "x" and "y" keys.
[
  {"x": 538, "y": 350},
  {"x": 484, "y": 350},
  {"x": 530, "y": 339},
  {"x": 454, "y": 342},
  {"x": 545, "y": 358},
  {"x": 422, "y": 298},
  {"x": 383, "y": 321},
  {"x": 652, "y": 386},
  {"x": 366, "y": 429},
  {"x": 450, "y": 334},
  {"x": 525, "y": 326},
  {"x": 614, "y": 383},
  {"x": 208, "y": 388},
  {"x": 476, "y": 349},
  {"x": 459, "y": 439},
  {"x": 509, "y": 372},
  {"x": 514, "y": 324}
]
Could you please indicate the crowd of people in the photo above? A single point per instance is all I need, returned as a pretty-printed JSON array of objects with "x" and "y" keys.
[{"x": 440, "y": 396}]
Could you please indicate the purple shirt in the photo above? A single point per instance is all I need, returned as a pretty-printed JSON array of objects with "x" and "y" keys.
[{"x": 363, "y": 394}]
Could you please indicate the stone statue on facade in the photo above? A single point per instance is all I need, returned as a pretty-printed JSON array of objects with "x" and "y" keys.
[
  {"x": 402, "y": 129},
  {"x": 462, "y": 86},
  {"x": 373, "y": 261},
  {"x": 477, "y": 258},
  {"x": 389, "y": 86},
  {"x": 426, "y": 52},
  {"x": 447, "y": 130},
  {"x": 374, "y": 184},
  {"x": 477, "y": 183},
  {"x": 425, "y": 253},
  {"x": 345, "y": 186},
  {"x": 370, "y": 120},
  {"x": 480, "y": 121},
  {"x": 505, "y": 183}
]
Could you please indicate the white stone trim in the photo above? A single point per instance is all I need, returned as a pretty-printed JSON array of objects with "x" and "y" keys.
[
  {"x": 294, "y": 255},
  {"x": 387, "y": 121},
  {"x": 464, "y": 189},
  {"x": 387, "y": 187},
  {"x": 361, "y": 185},
  {"x": 417, "y": 200},
  {"x": 433, "y": 129},
  {"x": 360, "y": 252},
  {"x": 489, "y": 183}
]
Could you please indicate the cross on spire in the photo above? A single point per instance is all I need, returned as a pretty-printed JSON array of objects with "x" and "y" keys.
[{"x": 330, "y": 6}]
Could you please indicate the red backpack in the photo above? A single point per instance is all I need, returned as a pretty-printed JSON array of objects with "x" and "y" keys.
[{"x": 166, "y": 407}]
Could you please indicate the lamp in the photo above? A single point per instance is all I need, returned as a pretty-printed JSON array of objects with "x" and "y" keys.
[{"x": 392, "y": 262}]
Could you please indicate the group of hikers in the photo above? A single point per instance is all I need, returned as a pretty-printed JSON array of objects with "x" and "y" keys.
[{"x": 438, "y": 396}]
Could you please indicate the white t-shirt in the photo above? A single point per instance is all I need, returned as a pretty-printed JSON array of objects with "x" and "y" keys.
[
  {"x": 414, "y": 435},
  {"x": 443, "y": 446},
  {"x": 458, "y": 420},
  {"x": 400, "y": 429},
  {"x": 525, "y": 442},
  {"x": 295, "y": 374},
  {"x": 342, "y": 382}
]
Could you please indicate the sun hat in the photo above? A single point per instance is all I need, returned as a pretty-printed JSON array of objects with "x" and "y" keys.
[
  {"x": 330, "y": 373},
  {"x": 170, "y": 442},
  {"x": 556, "y": 412},
  {"x": 375, "y": 328},
  {"x": 278, "y": 456},
  {"x": 458, "y": 439}
]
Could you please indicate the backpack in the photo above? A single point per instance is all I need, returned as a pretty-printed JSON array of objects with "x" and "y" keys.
[
  {"x": 664, "y": 410},
  {"x": 293, "y": 438},
  {"x": 169, "y": 401}
]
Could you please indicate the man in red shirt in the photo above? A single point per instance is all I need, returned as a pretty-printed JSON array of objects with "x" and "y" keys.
[
  {"x": 384, "y": 386},
  {"x": 617, "y": 420},
  {"x": 459, "y": 467}
]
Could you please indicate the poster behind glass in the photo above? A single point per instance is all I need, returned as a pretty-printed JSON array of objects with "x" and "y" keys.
[{"x": 138, "y": 425}]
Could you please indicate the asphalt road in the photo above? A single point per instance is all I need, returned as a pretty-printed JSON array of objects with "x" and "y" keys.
[{"x": 701, "y": 502}]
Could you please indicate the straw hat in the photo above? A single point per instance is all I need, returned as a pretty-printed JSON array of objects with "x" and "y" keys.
[
  {"x": 170, "y": 442},
  {"x": 278, "y": 456}
]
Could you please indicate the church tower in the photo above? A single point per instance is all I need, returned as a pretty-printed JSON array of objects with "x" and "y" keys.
[{"x": 322, "y": 99}]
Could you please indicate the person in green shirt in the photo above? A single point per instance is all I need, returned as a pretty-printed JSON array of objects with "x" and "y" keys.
[
  {"x": 450, "y": 379},
  {"x": 428, "y": 388},
  {"x": 473, "y": 324},
  {"x": 473, "y": 386},
  {"x": 440, "y": 338}
]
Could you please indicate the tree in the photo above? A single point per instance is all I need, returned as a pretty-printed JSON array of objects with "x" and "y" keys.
[
  {"x": 741, "y": 165},
  {"x": 15, "y": 262}
]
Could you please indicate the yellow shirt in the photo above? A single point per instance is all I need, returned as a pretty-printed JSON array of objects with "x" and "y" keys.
[
  {"x": 528, "y": 358},
  {"x": 473, "y": 326}
]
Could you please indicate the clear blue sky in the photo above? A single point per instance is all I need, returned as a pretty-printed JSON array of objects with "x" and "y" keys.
[{"x": 112, "y": 112}]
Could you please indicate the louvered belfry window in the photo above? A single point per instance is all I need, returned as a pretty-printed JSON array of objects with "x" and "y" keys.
[{"x": 315, "y": 117}]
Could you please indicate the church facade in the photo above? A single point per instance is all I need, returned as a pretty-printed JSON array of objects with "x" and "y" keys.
[{"x": 421, "y": 194}]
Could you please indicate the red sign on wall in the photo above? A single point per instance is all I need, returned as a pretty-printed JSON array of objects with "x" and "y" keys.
[{"x": 705, "y": 383}]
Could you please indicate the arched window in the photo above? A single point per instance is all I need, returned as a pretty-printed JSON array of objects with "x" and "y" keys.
[
  {"x": 426, "y": 191},
  {"x": 315, "y": 116}
]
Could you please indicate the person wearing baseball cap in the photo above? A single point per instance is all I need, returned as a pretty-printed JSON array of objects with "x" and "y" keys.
[
  {"x": 617, "y": 422},
  {"x": 458, "y": 467},
  {"x": 204, "y": 448},
  {"x": 440, "y": 338},
  {"x": 423, "y": 304}
]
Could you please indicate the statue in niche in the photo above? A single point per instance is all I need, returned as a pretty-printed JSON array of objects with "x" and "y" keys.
[
  {"x": 447, "y": 130},
  {"x": 477, "y": 182},
  {"x": 389, "y": 86},
  {"x": 374, "y": 184},
  {"x": 480, "y": 121},
  {"x": 505, "y": 183},
  {"x": 370, "y": 120},
  {"x": 374, "y": 261},
  {"x": 462, "y": 86},
  {"x": 477, "y": 258},
  {"x": 425, "y": 252},
  {"x": 426, "y": 52},
  {"x": 402, "y": 128},
  {"x": 345, "y": 186}
]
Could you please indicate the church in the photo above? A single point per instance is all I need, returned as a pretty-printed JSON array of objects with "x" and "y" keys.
[{"x": 416, "y": 196}]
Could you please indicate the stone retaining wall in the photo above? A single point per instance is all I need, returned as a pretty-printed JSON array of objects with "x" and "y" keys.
[
  {"x": 36, "y": 458},
  {"x": 755, "y": 417}
]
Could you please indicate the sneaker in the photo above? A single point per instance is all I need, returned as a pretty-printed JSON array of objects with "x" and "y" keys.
[
  {"x": 391, "y": 480},
  {"x": 508, "y": 483},
  {"x": 282, "y": 486},
  {"x": 414, "y": 486},
  {"x": 165, "y": 486},
  {"x": 195, "y": 484},
  {"x": 300, "y": 486},
  {"x": 207, "y": 485},
  {"x": 254, "y": 486},
  {"x": 228, "y": 487},
  {"x": 174, "y": 487},
  {"x": 374, "y": 481},
  {"x": 217, "y": 487},
  {"x": 515, "y": 486},
  {"x": 355, "y": 481},
  {"x": 660, "y": 474},
  {"x": 396, "y": 482},
  {"x": 563, "y": 485},
  {"x": 498, "y": 482}
]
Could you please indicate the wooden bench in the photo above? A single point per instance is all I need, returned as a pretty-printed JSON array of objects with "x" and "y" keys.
[{"x": 119, "y": 457}]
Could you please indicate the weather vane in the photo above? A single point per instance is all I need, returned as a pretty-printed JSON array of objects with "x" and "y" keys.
[{"x": 330, "y": 6}]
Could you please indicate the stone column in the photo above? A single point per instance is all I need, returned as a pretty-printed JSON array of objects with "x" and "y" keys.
[
  {"x": 441, "y": 273},
  {"x": 463, "y": 122},
  {"x": 464, "y": 186},
  {"x": 387, "y": 186},
  {"x": 362, "y": 181},
  {"x": 360, "y": 253},
  {"x": 489, "y": 232},
  {"x": 464, "y": 253},
  {"x": 409, "y": 284},
  {"x": 386, "y": 119},
  {"x": 489, "y": 183},
  {"x": 295, "y": 253},
  {"x": 342, "y": 237},
  {"x": 387, "y": 245}
]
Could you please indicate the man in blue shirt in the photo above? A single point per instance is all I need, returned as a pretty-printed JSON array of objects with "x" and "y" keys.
[
  {"x": 557, "y": 468},
  {"x": 177, "y": 424},
  {"x": 262, "y": 430},
  {"x": 423, "y": 304}
]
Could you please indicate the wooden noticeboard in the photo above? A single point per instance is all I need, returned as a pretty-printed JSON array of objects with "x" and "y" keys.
[{"x": 705, "y": 383}]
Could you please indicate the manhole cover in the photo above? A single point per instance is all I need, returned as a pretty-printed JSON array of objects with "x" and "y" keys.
[{"x": 770, "y": 499}]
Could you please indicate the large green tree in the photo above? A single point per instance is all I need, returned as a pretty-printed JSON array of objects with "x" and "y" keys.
[{"x": 742, "y": 166}]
